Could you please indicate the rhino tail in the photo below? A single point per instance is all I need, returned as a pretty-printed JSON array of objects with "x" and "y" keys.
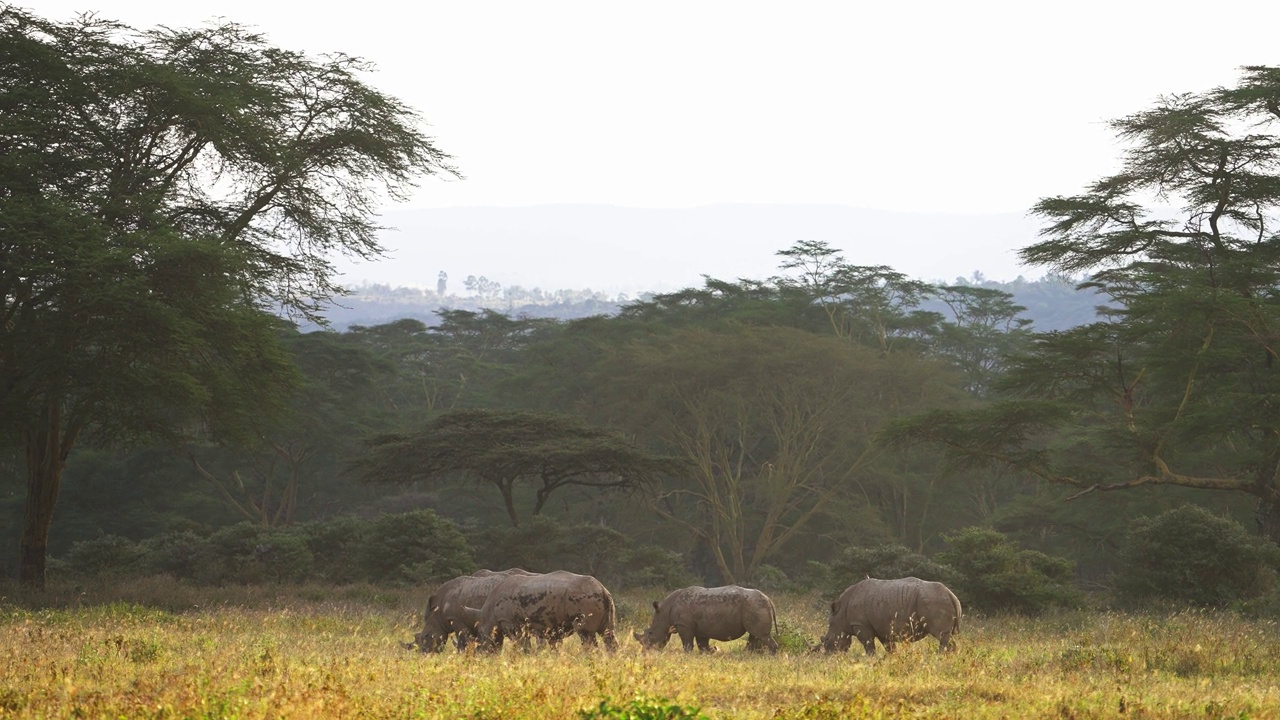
[
  {"x": 610, "y": 611},
  {"x": 955, "y": 603}
]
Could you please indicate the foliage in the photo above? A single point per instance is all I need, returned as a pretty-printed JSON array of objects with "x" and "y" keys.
[
  {"x": 414, "y": 547},
  {"x": 991, "y": 574},
  {"x": 107, "y": 555},
  {"x": 249, "y": 553},
  {"x": 1176, "y": 383},
  {"x": 164, "y": 191},
  {"x": 1189, "y": 555},
  {"x": 503, "y": 447},
  {"x": 774, "y": 424},
  {"x": 544, "y": 544},
  {"x": 336, "y": 542},
  {"x": 181, "y": 554},
  {"x": 641, "y": 708},
  {"x": 885, "y": 562}
]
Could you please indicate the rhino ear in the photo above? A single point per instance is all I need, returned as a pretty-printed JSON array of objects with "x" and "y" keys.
[
  {"x": 431, "y": 604},
  {"x": 834, "y": 606},
  {"x": 655, "y": 606}
]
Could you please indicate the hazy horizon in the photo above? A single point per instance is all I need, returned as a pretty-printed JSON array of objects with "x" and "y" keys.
[{"x": 613, "y": 248}]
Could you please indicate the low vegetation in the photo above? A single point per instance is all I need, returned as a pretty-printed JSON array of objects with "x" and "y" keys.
[{"x": 162, "y": 648}]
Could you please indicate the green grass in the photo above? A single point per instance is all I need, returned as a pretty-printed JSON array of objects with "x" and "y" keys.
[{"x": 159, "y": 649}]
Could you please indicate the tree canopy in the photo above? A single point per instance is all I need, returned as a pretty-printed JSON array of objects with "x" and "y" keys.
[
  {"x": 1176, "y": 383},
  {"x": 162, "y": 194},
  {"x": 504, "y": 447}
]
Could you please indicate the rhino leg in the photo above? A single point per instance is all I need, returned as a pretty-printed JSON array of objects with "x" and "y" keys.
[
  {"x": 758, "y": 644},
  {"x": 704, "y": 645},
  {"x": 944, "y": 642},
  {"x": 890, "y": 643},
  {"x": 610, "y": 641},
  {"x": 686, "y": 639},
  {"x": 868, "y": 641}
]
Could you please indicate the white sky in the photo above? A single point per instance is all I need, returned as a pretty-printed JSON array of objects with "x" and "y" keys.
[{"x": 968, "y": 107}]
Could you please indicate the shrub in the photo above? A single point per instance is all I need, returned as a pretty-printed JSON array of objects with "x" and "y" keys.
[
  {"x": 641, "y": 709},
  {"x": 993, "y": 573},
  {"x": 1191, "y": 556},
  {"x": 248, "y": 553},
  {"x": 772, "y": 579},
  {"x": 182, "y": 554},
  {"x": 107, "y": 555},
  {"x": 411, "y": 548},
  {"x": 335, "y": 545},
  {"x": 543, "y": 545},
  {"x": 883, "y": 561},
  {"x": 650, "y": 566}
]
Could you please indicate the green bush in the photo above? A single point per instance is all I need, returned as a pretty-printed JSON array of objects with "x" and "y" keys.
[
  {"x": 886, "y": 562},
  {"x": 649, "y": 566},
  {"x": 992, "y": 573},
  {"x": 1191, "y": 556},
  {"x": 107, "y": 555},
  {"x": 412, "y": 548},
  {"x": 543, "y": 545},
  {"x": 772, "y": 579},
  {"x": 641, "y": 708},
  {"x": 182, "y": 554},
  {"x": 335, "y": 545},
  {"x": 246, "y": 553}
]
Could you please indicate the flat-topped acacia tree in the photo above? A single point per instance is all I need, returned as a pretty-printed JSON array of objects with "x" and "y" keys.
[
  {"x": 504, "y": 447},
  {"x": 162, "y": 194}
]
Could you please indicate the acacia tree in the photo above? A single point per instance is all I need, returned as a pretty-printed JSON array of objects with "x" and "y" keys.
[
  {"x": 871, "y": 304},
  {"x": 1176, "y": 383},
  {"x": 160, "y": 193},
  {"x": 775, "y": 424},
  {"x": 504, "y": 447}
]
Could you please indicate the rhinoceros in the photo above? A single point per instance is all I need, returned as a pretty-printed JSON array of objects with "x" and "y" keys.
[
  {"x": 892, "y": 610},
  {"x": 701, "y": 614},
  {"x": 444, "y": 613},
  {"x": 549, "y": 607}
]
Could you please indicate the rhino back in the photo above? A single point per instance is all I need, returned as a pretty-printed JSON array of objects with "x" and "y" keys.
[
  {"x": 723, "y": 613},
  {"x": 883, "y": 604},
  {"x": 551, "y": 599}
]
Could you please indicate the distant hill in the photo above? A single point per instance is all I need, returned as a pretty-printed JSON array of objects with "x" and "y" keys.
[
  {"x": 634, "y": 250},
  {"x": 1052, "y": 303}
]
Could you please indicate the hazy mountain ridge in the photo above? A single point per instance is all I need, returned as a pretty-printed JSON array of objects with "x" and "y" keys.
[
  {"x": 1052, "y": 303},
  {"x": 634, "y": 250}
]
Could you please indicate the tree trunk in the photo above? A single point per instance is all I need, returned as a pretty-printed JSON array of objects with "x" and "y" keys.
[
  {"x": 46, "y": 451},
  {"x": 508, "y": 499},
  {"x": 1267, "y": 512}
]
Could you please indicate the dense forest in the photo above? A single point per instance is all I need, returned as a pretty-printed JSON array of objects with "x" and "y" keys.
[
  {"x": 171, "y": 401},
  {"x": 735, "y": 429}
]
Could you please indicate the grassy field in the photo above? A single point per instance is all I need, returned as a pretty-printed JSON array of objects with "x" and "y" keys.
[{"x": 158, "y": 649}]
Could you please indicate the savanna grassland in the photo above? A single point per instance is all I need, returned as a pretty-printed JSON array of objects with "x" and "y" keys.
[{"x": 157, "y": 649}]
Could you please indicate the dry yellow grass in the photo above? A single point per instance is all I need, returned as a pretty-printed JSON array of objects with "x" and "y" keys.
[{"x": 316, "y": 652}]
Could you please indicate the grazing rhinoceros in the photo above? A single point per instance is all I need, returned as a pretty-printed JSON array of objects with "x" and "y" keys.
[
  {"x": 444, "y": 613},
  {"x": 548, "y": 607},
  {"x": 892, "y": 610},
  {"x": 704, "y": 614}
]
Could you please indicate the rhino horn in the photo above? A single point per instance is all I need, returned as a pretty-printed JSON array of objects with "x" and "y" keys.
[{"x": 471, "y": 616}]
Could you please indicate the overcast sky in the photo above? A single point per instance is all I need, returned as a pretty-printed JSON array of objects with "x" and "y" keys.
[{"x": 939, "y": 107}]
